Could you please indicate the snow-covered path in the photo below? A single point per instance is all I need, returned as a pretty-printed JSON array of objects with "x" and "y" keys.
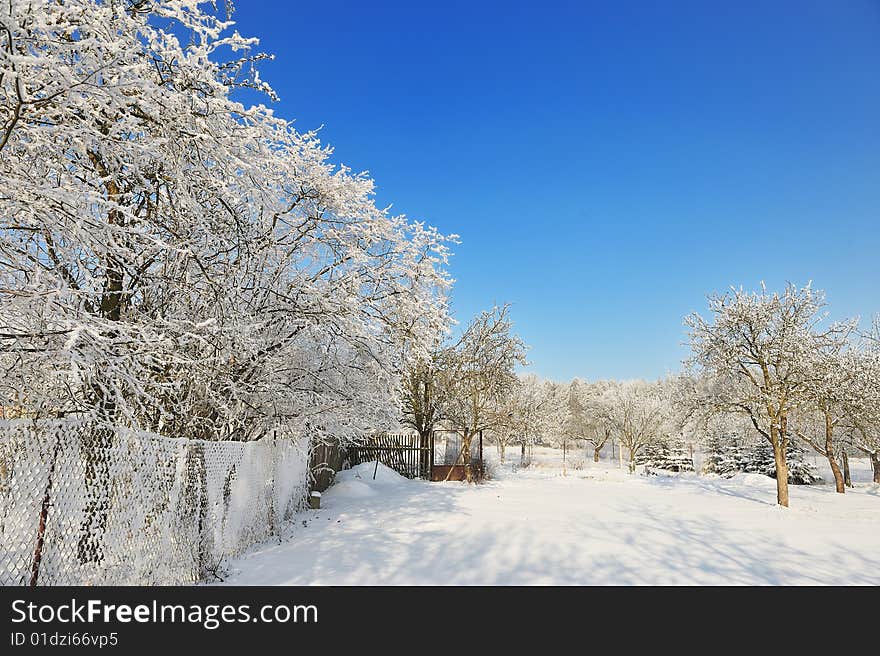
[{"x": 594, "y": 526}]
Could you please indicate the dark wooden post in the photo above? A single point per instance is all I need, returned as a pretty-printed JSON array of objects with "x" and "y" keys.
[
  {"x": 44, "y": 514},
  {"x": 431, "y": 457}
]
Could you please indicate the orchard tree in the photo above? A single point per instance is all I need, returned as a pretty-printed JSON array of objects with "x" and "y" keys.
[
  {"x": 527, "y": 401},
  {"x": 594, "y": 425},
  {"x": 862, "y": 402},
  {"x": 753, "y": 349},
  {"x": 553, "y": 417},
  {"x": 511, "y": 425},
  {"x": 828, "y": 389},
  {"x": 574, "y": 420},
  {"x": 479, "y": 375},
  {"x": 639, "y": 414},
  {"x": 422, "y": 397}
]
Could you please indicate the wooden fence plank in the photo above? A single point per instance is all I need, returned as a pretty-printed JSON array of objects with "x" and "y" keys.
[{"x": 401, "y": 452}]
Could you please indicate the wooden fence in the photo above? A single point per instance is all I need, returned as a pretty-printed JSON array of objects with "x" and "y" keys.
[
  {"x": 324, "y": 461},
  {"x": 405, "y": 453}
]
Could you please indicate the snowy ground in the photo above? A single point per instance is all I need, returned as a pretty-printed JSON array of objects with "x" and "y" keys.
[{"x": 596, "y": 525}]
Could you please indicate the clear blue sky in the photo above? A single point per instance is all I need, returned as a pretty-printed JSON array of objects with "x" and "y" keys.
[{"x": 606, "y": 164}]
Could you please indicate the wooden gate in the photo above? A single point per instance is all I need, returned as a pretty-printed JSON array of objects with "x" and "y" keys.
[{"x": 405, "y": 453}]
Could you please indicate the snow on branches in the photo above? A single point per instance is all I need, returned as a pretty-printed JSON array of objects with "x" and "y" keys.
[
  {"x": 752, "y": 349},
  {"x": 174, "y": 260}
]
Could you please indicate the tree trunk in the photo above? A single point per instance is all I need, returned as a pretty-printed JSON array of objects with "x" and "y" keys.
[
  {"x": 97, "y": 442},
  {"x": 522, "y": 453},
  {"x": 466, "y": 454},
  {"x": 596, "y": 454},
  {"x": 781, "y": 467},
  {"x": 632, "y": 461},
  {"x": 829, "y": 453},
  {"x": 847, "y": 479},
  {"x": 425, "y": 454},
  {"x": 44, "y": 515},
  {"x": 838, "y": 476},
  {"x": 875, "y": 464}
]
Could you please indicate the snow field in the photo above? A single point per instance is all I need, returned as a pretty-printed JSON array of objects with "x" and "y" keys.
[{"x": 594, "y": 526}]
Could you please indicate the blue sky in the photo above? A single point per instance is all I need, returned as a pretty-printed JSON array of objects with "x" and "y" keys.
[{"x": 606, "y": 164}]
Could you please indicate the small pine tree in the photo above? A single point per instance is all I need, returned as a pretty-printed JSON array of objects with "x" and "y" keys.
[
  {"x": 653, "y": 455},
  {"x": 669, "y": 455},
  {"x": 732, "y": 460},
  {"x": 760, "y": 460},
  {"x": 800, "y": 472},
  {"x": 712, "y": 461},
  {"x": 725, "y": 457},
  {"x": 679, "y": 458}
]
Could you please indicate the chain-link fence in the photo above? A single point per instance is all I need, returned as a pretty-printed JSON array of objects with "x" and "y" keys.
[{"x": 82, "y": 504}]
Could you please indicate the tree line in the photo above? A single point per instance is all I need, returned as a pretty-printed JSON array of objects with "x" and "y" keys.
[{"x": 766, "y": 366}]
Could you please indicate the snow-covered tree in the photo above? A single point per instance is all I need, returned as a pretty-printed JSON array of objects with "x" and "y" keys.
[
  {"x": 800, "y": 470},
  {"x": 816, "y": 423},
  {"x": 174, "y": 260},
  {"x": 479, "y": 374},
  {"x": 525, "y": 412},
  {"x": 758, "y": 458},
  {"x": 679, "y": 458},
  {"x": 422, "y": 396},
  {"x": 555, "y": 420},
  {"x": 725, "y": 435},
  {"x": 510, "y": 424},
  {"x": 593, "y": 423},
  {"x": 725, "y": 457},
  {"x": 669, "y": 453},
  {"x": 827, "y": 387},
  {"x": 862, "y": 400},
  {"x": 751, "y": 351},
  {"x": 639, "y": 414}
]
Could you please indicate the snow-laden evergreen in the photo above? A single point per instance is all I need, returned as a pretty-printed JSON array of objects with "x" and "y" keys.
[
  {"x": 668, "y": 454},
  {"x": 727, "y": 457}
]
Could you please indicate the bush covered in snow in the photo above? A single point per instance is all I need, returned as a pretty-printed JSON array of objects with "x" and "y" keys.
[
  {"x": 759, "y": 460},
  {"x": 728, "y": 458},
  {"x": 669, "y": 455}
]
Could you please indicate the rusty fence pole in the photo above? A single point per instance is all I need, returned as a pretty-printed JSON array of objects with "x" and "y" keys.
[{"x": 44, "y": 515}]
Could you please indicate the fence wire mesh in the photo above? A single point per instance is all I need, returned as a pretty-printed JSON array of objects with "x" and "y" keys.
[{"x": 88, "y": 505}]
